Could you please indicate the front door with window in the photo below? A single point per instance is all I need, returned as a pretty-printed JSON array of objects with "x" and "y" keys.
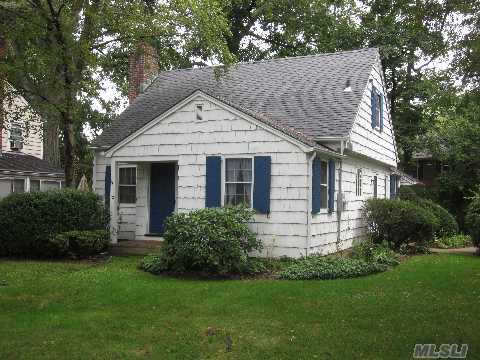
[{"x": 162, "y": 195}]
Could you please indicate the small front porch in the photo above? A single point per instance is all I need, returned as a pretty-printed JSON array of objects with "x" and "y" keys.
[{"x": 144, "y": 194}]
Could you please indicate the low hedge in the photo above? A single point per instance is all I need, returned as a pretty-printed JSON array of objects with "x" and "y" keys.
[
  {"x": 453, "y": 242},
  {"x": 28, "y": 221},
  {"x": 80, "y": 244},
  {"x": 399, "y": 222},
  {"x": 330, "y": 267},
  {"x": 207, "y": 241}
]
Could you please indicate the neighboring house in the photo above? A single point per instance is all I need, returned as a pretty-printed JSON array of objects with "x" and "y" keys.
[
  {"x": 426, "y": 169},
  {"x": 22, "y": 168},
  {"x": 303, "y": 140}
]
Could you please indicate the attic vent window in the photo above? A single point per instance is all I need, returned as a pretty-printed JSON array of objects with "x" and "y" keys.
[
  {"x": 348, "y": 86},
  {"x": 199, "y": 112}
]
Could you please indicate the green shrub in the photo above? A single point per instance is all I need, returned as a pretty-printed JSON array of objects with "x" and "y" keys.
[
  {"x": 472, "y": 219},
  {"x": 330, "y": 267},
  {"x": 454, "y": 241},
  {"x": 28, "y": 221},
  {"x": 211, "y": 241},
  {"x": 399, "y": 222},
  {"x": 377, "y": 253},
  {"x": 80, "y": 243},
  {"x": 448, "y": 226}
]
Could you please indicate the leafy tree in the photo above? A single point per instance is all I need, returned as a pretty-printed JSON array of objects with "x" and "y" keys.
[{"x": 59, "y": 51}]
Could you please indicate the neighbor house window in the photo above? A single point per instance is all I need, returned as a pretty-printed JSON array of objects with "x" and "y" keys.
[
  {"x": 199, "y": 112},
  {"x": 18, "y": 185},
  {"x": 5, "y": 187},
  {"x": 375, "y": 183},
  {"x": 49, "y": 185},
  {"x": 34, "y": 185},
  {"x": 358, "y": 183},
  {"x": 323, "y": 184},
  {"x": 238, "y": 181},
  {"x": 127, "y": 185},
  {"x": 16, "y": 137}
]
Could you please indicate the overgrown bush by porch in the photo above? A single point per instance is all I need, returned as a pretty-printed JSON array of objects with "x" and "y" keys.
[
  {"x": 215, "y": 241},
  {"x": 29, "y": 221}
]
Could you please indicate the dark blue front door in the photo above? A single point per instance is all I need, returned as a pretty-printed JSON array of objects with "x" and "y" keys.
[{"x": 162, "y": 195}]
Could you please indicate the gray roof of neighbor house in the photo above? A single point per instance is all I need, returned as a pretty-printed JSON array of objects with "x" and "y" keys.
[
  {"x": 18, "y": 162},
  {"x": 302, "y": 96}
]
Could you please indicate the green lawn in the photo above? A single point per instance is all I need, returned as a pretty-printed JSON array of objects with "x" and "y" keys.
[{"x": 61, "y": 310}]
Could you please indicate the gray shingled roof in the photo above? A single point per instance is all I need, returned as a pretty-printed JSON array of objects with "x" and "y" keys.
[
  {"x": 19, "y": 162},
  {"x": 303, "y": 96}
]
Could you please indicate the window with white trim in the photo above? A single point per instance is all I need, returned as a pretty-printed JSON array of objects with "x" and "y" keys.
[
  {"x": 18, "y": 185},
  {"x": 238, "y": 181},
  {"x": 34, "y": 185},
  {"x": 358, "y": 183},
  {"x": 16, "y": 137},
  {"x": 49, "y": 185},
  {"x": 323, "y": 184},
  {"x": 375, "y": 184},
  {"x": 127, "y": 185}
]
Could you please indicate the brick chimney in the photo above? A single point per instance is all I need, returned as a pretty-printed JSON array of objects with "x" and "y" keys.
[{"x": 142, "y": 68}]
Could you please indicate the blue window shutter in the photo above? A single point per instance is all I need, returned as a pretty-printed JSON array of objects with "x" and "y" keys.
[
  {"x": 381, "y": 112},
  {"x": 108, "y": 185},
  {"x": 213, "y": 186},
  {"x": 393, "y": 187},
  {"x": 374, "y": 106},
  {"x": 331, "y": 185},
  {"x": 261, "y": 186},
  {"x": 316, "y": 173}
]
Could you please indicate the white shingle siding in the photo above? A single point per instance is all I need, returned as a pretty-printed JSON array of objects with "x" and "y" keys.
[
  {"x": 371, "y": 142},
  {"x": 181, "y": 138}
]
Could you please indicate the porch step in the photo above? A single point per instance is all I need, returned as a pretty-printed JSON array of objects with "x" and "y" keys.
[{"x": 135, "y": 247}]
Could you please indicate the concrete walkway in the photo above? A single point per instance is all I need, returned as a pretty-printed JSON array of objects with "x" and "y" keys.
[{"x": 468, "y": 250}]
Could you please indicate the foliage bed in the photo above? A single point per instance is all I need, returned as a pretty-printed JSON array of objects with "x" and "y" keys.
[
  {"x": 455, "y": 241},
  {"x": 28, "y": 221},
  {"x": 207, "y": 241},
  {"x": 377, "y": 253},
  {"x": 330, "y": 267}
]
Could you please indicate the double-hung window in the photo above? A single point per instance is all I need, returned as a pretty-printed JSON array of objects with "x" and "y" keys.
[
  {"x": 238, "y": 181},
  {"x": 323, "y": 184},
  {"x": 358, "y": 183},
  {"x": 18, "y": 185},
  {"x": 127, "y": 185}
]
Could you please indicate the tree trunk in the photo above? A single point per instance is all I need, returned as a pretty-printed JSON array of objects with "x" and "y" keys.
[
  {"x": 69, "y": 150},
  {"x": 51, "y": 143}
]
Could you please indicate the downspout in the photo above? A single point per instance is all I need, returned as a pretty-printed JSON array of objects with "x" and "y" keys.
[
  {"x": 309, "y": 203},
  {"x": 340, "y": 196}
]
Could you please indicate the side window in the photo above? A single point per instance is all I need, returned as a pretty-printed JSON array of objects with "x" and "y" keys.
[
  {"x": 18, "y": 185},
  {"x": 324, "y": 184},
  {"x": 238, "y": 181},
  {"x": 127, "y": 185},
  {"x": 378, "y": 111},
  {"x": 375, "y": 186},
  {"x": 34, "y": 185},
  {"x": 49, "y": 185},
  {"x": 358, "y": 183}
]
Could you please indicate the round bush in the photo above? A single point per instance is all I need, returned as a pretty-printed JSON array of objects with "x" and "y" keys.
[
  {"x": 472, "y": 220},
  {"x": 28, "y": 221},
  {"x": 80, "y": 244},
  {"x": 448, "y": 226},
  {"x": 212, "y": 241},
  {"x": 399, "y": 222}
]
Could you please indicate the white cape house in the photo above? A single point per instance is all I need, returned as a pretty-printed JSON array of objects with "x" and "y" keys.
[{"x": 303, "y": 140}]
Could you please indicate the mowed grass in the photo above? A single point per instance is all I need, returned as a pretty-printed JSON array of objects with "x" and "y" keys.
[{"x": 66, "y": 310}]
